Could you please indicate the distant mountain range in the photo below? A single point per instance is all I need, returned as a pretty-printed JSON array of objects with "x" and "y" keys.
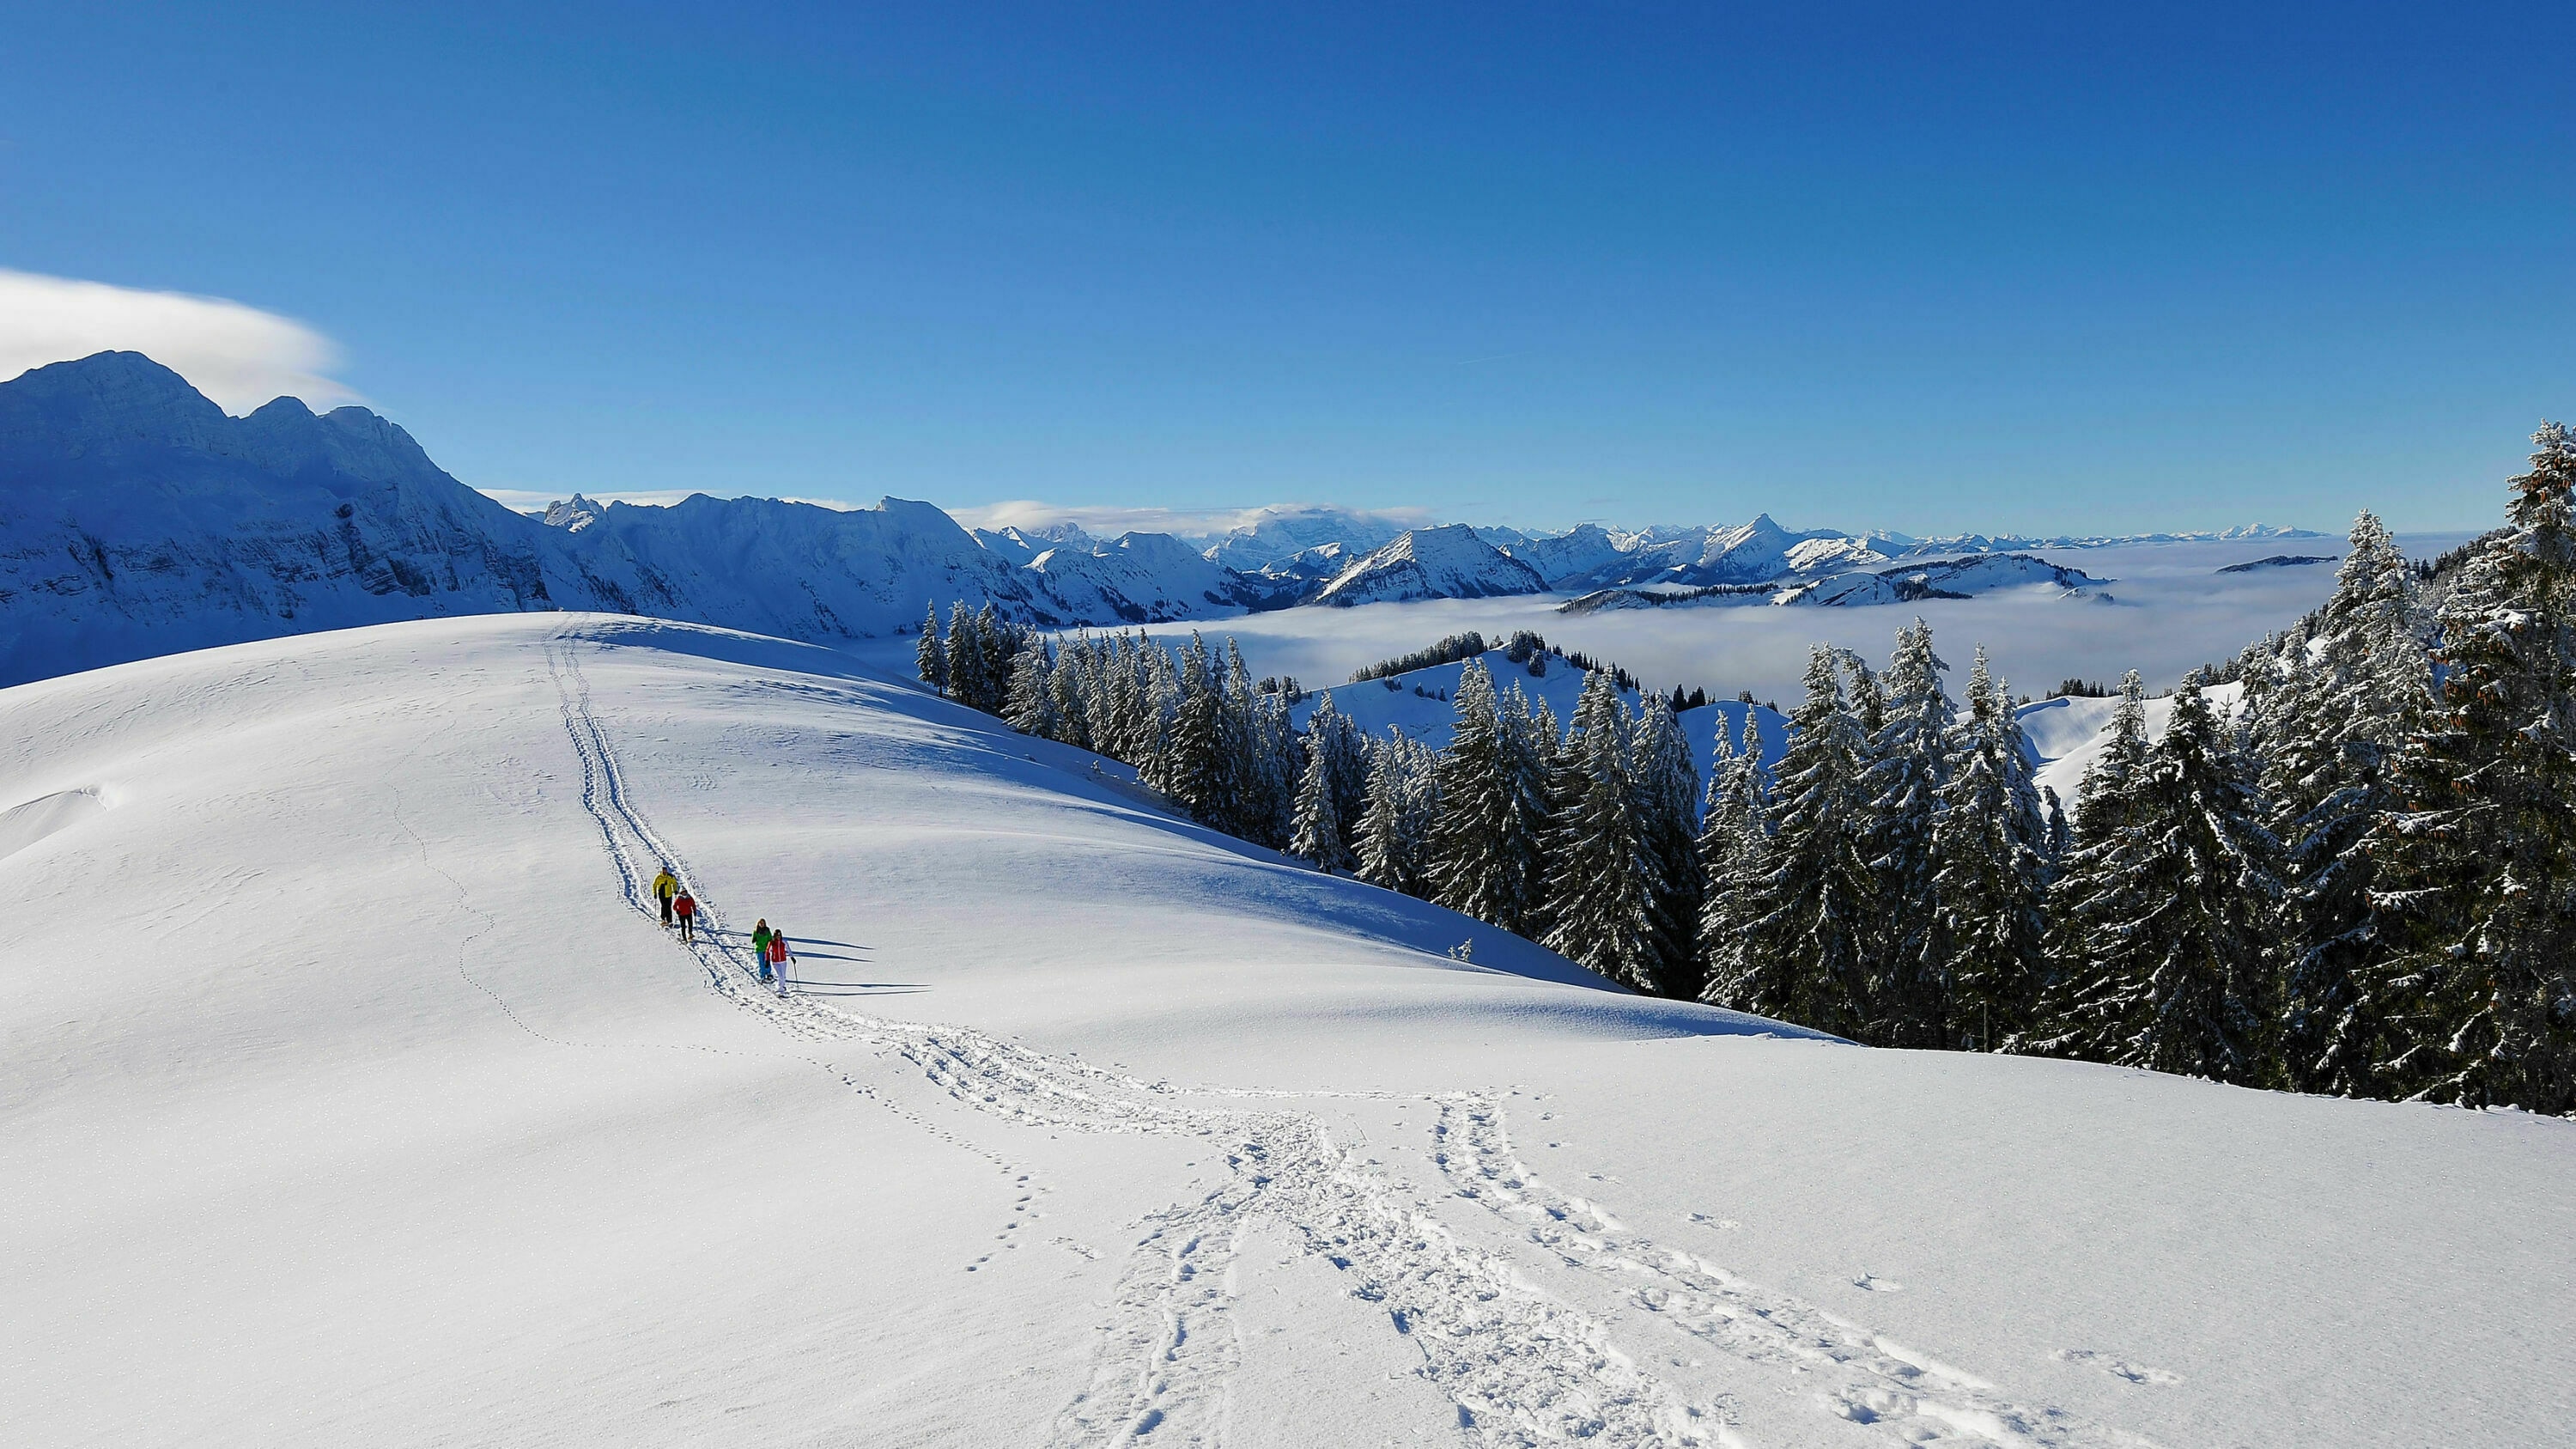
[{"x": 137, "y": 519}]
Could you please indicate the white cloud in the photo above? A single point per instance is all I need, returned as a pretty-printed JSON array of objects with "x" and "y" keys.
[{"x": 237, "y": 355}]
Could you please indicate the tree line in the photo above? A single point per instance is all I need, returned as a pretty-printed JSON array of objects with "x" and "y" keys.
[{"x": 2360, "y": 879}]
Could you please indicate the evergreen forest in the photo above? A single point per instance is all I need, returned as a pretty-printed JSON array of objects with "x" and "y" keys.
[{"x": 2347, "y": 864}]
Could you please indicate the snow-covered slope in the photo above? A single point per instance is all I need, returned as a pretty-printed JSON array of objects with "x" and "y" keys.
[
  {"x": 1905, "y": 584},
  {"x": 2066, "y": 735},
  {"x": 352, "y": 1097},
  {"x": 796, "y": 570},
  {"x": 1576, "y": 553},
  {"x": 1432, "y": 563},
  {"x": 1956, "y": 579},
  {"x": 491, "y": 1149},
  {"x": 1023, "y": 545},
  {"x": 1141, "y": 578}
]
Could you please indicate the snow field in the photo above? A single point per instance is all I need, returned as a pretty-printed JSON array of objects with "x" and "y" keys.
[{"x": 353, "y": 1095}]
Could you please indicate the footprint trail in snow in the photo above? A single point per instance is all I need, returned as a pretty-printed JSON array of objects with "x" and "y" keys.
[{"x": 1523, "y": 1366}]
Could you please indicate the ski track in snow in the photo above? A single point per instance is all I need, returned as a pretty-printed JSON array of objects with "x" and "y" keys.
[{"x": 1523, "y": 1367}]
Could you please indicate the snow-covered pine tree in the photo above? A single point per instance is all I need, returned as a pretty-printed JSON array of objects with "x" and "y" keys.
[
  {"x": 2338, "y": 699},
  {"x": 1804, "y": 960},
  {"x": 1599, "y": 883},
  {"x": 1485, "y": 842},
  {"x": 1349, "y": 763},
  {"x": 1386, "y": 857},
  {"x": 997, "y": 644},
  {"x": 1069, "y": 685},
  {"x": 1866, "y": 691},
  {"x": 1667, "y": 786},
  {"x": 1197, "y": 767},
  {"x": 2480, "y": 868},
  {"x": 2060, "y": 834},
  {"x": 930, "y": 655},
  {"x": 2169, "y": 919},
  {"x": 1262, "y": 758},
  {"x": 1317, "y": 835},
  {"x": 1421, "y": 774},
  {"x": 1735, "y": 860},
  {"x": 1909, "y": 763},
  {"x": 965, "y": 657},
  {"x": 1531, "y": 746},
  {"x": 1136, "y": 704},
  {"x": 2102, "y": 797},
  {"x": 1989, "y": 845},
  {"x": 1277, "y": 742},
  {"x": 1029, "y": 703}
]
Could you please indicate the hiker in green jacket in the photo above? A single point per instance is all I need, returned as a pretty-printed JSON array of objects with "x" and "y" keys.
[{"x": 760, "y": 946}]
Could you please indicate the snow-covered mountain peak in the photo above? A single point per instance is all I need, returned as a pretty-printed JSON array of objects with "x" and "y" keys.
[
  {"x": 1448, "y": 562},
  {"x": 573, "y": 514},
  {"x": 109, "y": 401},
  {"x": 1275, "y": 533}
]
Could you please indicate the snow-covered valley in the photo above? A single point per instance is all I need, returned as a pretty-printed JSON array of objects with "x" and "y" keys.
[{"x": 354, "y": 1096}]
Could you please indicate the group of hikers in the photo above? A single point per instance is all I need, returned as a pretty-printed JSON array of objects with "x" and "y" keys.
[{"x": 680, "y": 911}]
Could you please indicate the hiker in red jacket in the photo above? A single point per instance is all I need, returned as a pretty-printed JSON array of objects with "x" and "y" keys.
[
  {"x": 778, "y": 959},
  {"x": 685, "y": 906}
]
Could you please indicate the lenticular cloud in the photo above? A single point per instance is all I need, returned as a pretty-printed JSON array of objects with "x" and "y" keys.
[{"x": 238, "y": 355}]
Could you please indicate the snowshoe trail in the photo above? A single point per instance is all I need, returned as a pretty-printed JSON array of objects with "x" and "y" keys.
[
  {"x": 1866, "y": 1379},
  {"x": 1523, "y": 1366}
]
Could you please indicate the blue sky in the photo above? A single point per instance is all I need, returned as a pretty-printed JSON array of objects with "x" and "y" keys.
[{"x": 1926, "y": 267}]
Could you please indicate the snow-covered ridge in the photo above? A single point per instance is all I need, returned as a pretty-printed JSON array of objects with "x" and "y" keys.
[
  {"x": 139, "y": 519},
  {"x": 1450, "y": 562},
  {"x": 1954, "y": 579}
]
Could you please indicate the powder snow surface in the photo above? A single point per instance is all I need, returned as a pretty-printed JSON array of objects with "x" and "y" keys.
[{"x": 350, "y": 1097}]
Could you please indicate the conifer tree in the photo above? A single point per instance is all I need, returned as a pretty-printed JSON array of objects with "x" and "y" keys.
[
  {"x": 965, "y": 658},
  {"x": 1194, "y": 764},
  {"x": 1805, "y": 959},
  {"x": 930, "y": 655},
  {"x": 1485, "y": 844},
  {"x": 1734, "y": 853},
  {"x": 1990, "y": 844},
  {"x": 2167, "y": 921},
  {"x": 1667, "y": 787},
  {"x": 1317, "y": 835},
  {"x": 998, "y": 643},
  {"x": 1910, "y": 762},
  {"x": 2102, "y": 796},
  {"x": 1030, "y": 701},
  {"x": 2480, "y": 868},
  {"x": 1347, "y": 763},
  {"x": 2338, "y": 699},
  {"x": 1069, "y": 688},
  {"x": 1599, "y": 885},
  {"x": 2060, "y": 834}
]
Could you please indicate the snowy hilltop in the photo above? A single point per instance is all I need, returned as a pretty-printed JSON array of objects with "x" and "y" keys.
[{"x": 1073, "y": 1123}]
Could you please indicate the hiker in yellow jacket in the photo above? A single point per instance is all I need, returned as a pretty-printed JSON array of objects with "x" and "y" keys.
[{"x": 665, "y": 886}]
